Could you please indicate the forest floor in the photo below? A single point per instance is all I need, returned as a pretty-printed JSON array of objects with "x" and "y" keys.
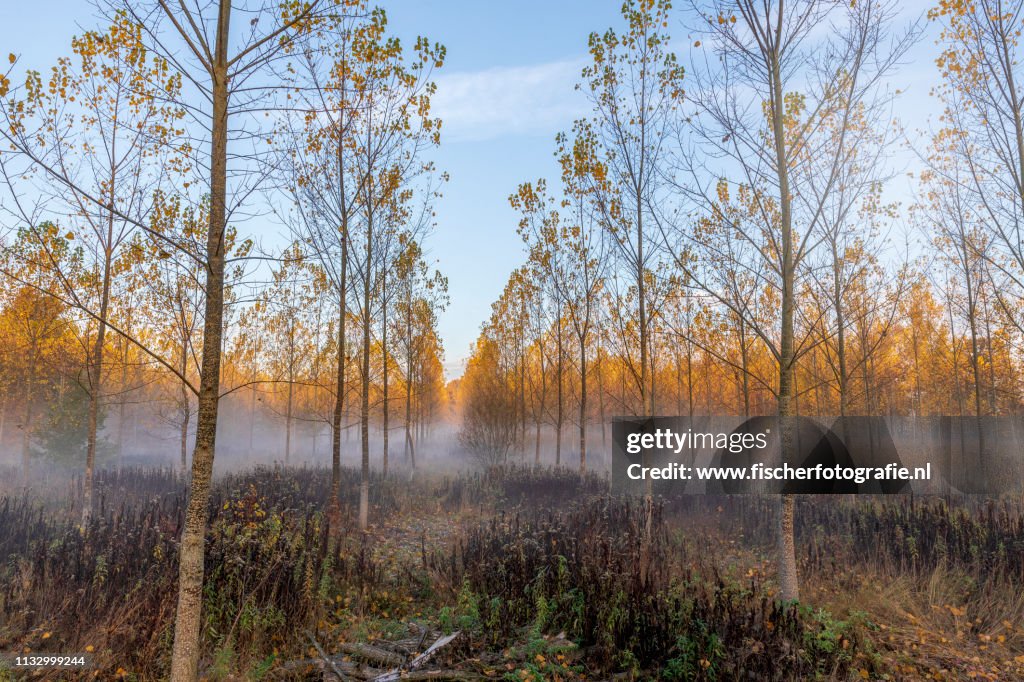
[
  {"x": 924, "y": 627},
  {"x": 919, "y": 626},
  {"x": 544, "y": 576}
]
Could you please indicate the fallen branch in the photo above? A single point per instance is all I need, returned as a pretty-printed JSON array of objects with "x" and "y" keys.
[
  {"x": 373, "y": 653},
  {"x": 402, "y": 669},
  {"x": 449, "y": 675},
  {"x": 400, "y": 674},
  {"x": 350, "y": 669},
  {"x": 323, "y": 655}
]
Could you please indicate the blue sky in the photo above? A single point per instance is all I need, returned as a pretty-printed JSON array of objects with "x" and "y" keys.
[{"x": 506, "y": 90}]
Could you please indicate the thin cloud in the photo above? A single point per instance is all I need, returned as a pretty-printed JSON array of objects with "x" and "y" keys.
[{"x": 519, "y": 100}]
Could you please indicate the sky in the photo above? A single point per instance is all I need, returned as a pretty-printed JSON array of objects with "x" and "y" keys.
[{"x": 506, "y": 90}]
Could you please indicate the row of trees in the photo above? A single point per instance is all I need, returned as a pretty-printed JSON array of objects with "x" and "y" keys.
[
  {"x": 721, "y": 240},
  {"x": 132, "y": 168},
  {"x": 278, "y": 366}
]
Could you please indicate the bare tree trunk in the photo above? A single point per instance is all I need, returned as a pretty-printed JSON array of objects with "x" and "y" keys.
[
  {"x": 583, "y": 404},
  {"x": 95, "y": 382},
  {"x": 384, "y": 354},
  {"x": 120, "y": 407},
  {"x": 641, "y": 290},
  {"x": 788, "y": 580},
  {"x": 600, "y": 399},
  {"x": 689, "y": 383},
  {"x": 654, "y": 386},
  {"x": 3, "y": 419},
  {"x": 536, "y": 446},
  {"x": 992, "y": 409},
  {"x": 288, "y": 423},
  {"x": 522, "y": 375},
  {"x": 837, "y": 292},
  {"x": 184, "y": 406},
  {"x": 186, "y": 650},
  {"x": 364, "y": 408},
  {"x": 252, "y": 394},
  {"x": 252, "y": 417},
  {"x": 410, "y": 455},
  {"x": 334, "y": 507},
  {"x": 559, "y": 414},
  {"x": 26, "y": 427}
]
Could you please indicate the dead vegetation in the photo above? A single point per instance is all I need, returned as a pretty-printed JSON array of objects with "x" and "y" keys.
[{"x": 516, "y": 575}]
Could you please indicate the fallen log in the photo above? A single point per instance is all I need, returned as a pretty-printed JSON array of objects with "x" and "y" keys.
[
  {"x": 443, "y": 675},
  {"x": 350, "y": 669},
  {"x": 418, "y": 662},
  {"x": 373, "y": 653},
  {"x": 341, "y": 666}
]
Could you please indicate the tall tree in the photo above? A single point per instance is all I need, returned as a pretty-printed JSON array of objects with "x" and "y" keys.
[
  {"x": 635, "y": 87},
  {"x": 761, "y": 106},
  {"x": 570, "y": 251},
  {"x": 227, "y": 76},
  {"x": 390, "y": 136},
  {"x": 91, "y": 140},
  {"x": 982, "y": 138}
]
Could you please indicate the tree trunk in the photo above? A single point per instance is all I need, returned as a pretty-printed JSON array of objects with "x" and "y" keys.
[
  {"x": 186, "y": 649},
  {"x": 184, "y": 406},
  {"x": 583, "y": 404},
  {"x": 788, "y": 580},
  {"x": 95, "y": 383},
  {"x": 26, "y": 427},
  {"x": 410, "y": 454},
  {"x": 3, "y": 419},
  {"x": 384, "y": 365},
  {"x": 642, "y": 296},
  {"x": 559, "y": 415},
  {"x": 288, "y": 424},
  {"x": 600, "y": 399},
  {"x": 364, "y": 408},
  {"x": 536, "y": 446},
  {"x": 837, "y": 292},
  {"x": 121, "y": 406},
  {"x": 992, "y": 403},
  {"x": 334, "y": 506}
]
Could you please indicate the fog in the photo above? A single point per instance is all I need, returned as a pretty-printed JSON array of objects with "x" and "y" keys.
[{"x": 248, "y": 438}]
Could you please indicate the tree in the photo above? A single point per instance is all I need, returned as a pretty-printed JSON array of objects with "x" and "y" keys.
[
  {"x": 326, "y": 187},
  {"x": 635, "y": 87},
  {"x": 390, "y": 136},
  {"x": 289, "y": 300},
  {"x": 489, "y": 423},
  {"x": 787, "y": 150},
  {"x": 571, "y": 253},
  {"x": 227, "y": 75},
  {"x": 92, "y": 139},
  {"x": 420, "y": 297},
  {"x": 981, "y": 143}
]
